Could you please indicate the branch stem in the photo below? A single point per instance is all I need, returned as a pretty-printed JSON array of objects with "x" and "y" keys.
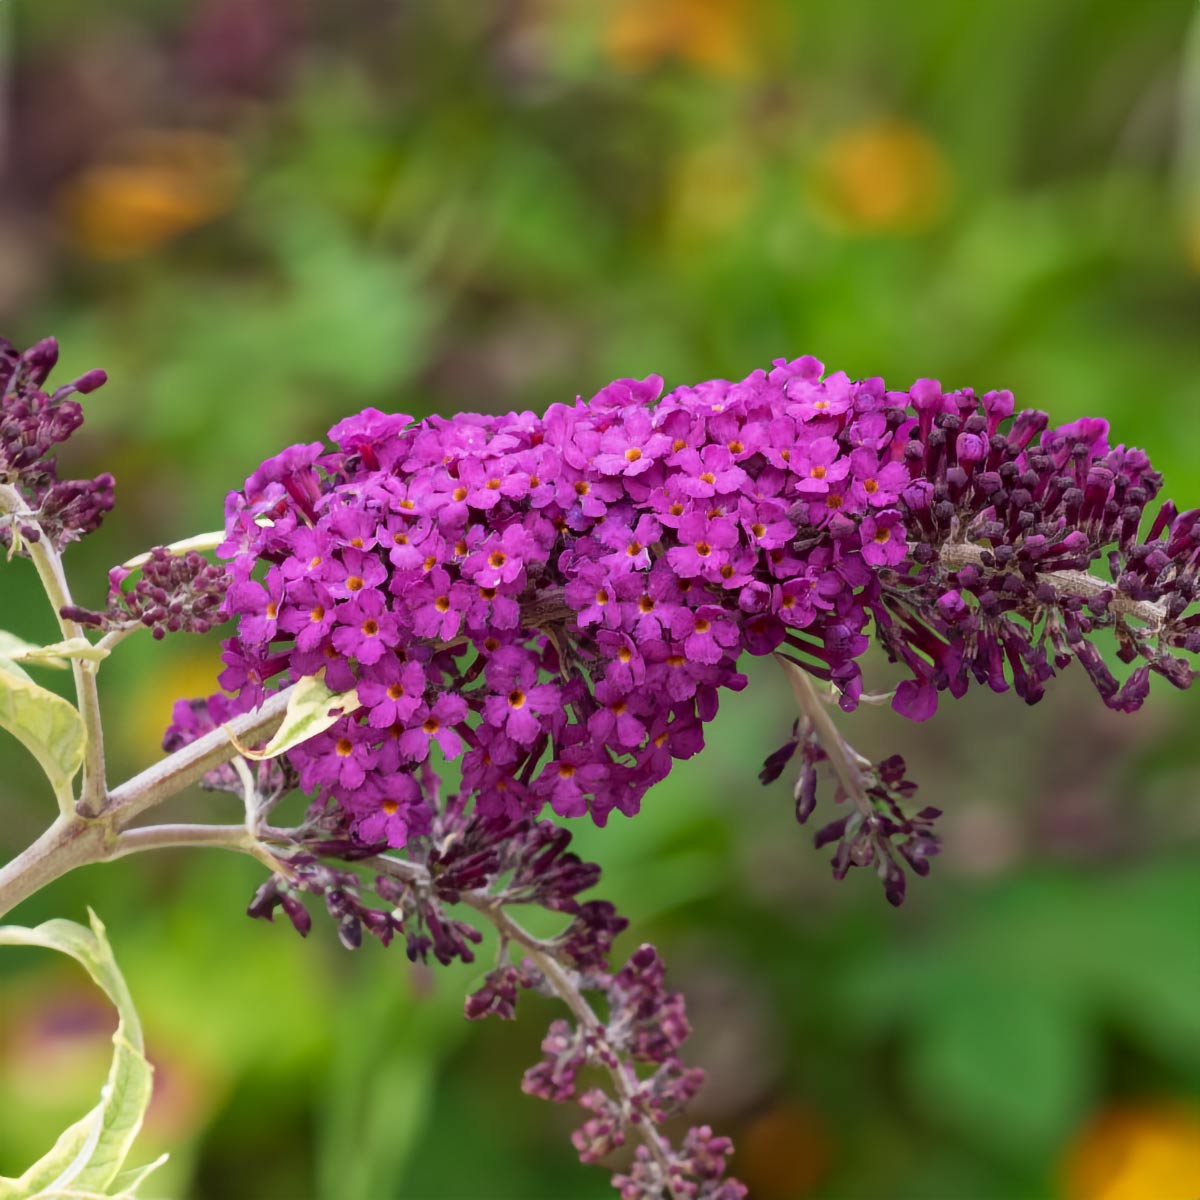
[
  {"x": 49, "y": 566},
  {"x": 567, "y": 989},
  {"x": 1075, "y": 583},
  {"x": 161, "y": 837},
  {"x": 75, "y": 841},
  {"x": 173, "y": 773},
  {"x": 69, "y": 843},
  {"x": 843, "y": 758}
]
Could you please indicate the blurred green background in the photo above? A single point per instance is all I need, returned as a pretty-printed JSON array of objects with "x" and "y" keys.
[{"x": 261, "y": 215}]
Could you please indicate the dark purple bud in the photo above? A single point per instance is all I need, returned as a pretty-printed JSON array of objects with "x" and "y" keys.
[
  {"x": 296, "y": 913},
  {"x": 830, "y": 832},
  {"x": 805, "y": 792}
]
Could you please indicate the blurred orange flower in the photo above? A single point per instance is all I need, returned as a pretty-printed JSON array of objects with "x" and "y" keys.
[
  {"x": 156, "y": 186},
  {"x": 147, "y": 701},
  {"x": 1149, "y": 1152},
  {"x": 886, "y": 176},
  {"x": 784, "y": 1152},
  {"x": 716, "y": 35}
]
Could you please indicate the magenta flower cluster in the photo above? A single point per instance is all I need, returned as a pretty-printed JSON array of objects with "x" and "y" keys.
[{"x": 556, "y": 601}]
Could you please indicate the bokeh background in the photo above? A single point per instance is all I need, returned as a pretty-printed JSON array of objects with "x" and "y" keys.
[{"x": 261, "y": 215}]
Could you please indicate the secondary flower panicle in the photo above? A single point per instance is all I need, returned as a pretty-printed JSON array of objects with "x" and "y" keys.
[
  {"x": 32, "y": 422},
  {"x": 617, "y": 1055},
  {"x": 559, "y": 600},
  {"x": 170, "y": 593}
]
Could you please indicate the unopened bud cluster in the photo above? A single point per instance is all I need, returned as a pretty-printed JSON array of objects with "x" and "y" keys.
[
  {"x": 170, "y": 593},
  {"x": 33, "y": 422}
]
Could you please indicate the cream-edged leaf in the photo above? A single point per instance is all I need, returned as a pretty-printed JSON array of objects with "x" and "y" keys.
[
  {"x": 6, "y": 664},
  {"x": 51, "y": 729},
  {"x": 125, "y": 1186},
  {"x": 88, "y": 1157},
  {"x": 14, "y": 648},
  {"x": 57, "y": 653},
  {"x": 312, "y": 709}
]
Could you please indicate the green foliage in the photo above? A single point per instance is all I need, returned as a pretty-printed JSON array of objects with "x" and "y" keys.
[
  {"x": 46, "y": 724},
  {"x": 87, "y": 1159}
]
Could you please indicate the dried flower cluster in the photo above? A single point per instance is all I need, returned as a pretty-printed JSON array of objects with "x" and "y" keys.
[
  {"x": 620, "y": 1063},
  {"x": 32, "y": 422}
]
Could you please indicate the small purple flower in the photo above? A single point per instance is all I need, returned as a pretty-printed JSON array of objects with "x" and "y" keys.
[
  {"x": 874, "y": 483},
  {"x": 366, "y": 630},
  {"x": 705, "y": 545},
  {"x": 708, "y": 633},
  {"x": 520, "y": 701},
  {"x": 439, "y": 603},
  {"x": 567, "y": 781},
  {"x": 812, "y": 400},
  {"x": 391, "y": 691},
  {"x": 340, "y": 758},
  {"x": 501, "y": 558},
  {"x": 883, "y": 539},
  {"x": 388, "y": 822},
  {"x": 709, "y": 472},
  {"x": 436, "y": 724},
  {"x": 821, "y": 464},
  {"x": 629, "y": 544},
  {"x": 593, "y": 596},
  {"x": 618, "y": 720},
  {"x": 355, "y": 572},
  {"x": 631, "y": 448},
  {"x": 309, "y": 615}
]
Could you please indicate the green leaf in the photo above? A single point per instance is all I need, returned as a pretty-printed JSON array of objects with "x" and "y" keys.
[
  {"x": 127, "y": 1183},
  {"x": 1008, "y": 1065},
  {"x": 202, "y": 542},
  {"x": 88, "y": 1157},
  {"x": 11, "y": 667},
  {"x": 13, "y": 648},
  {"x": 312, "y": 709},
  {"x": 57, "y": 653},
  {"x": 51, "y": 729}
]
